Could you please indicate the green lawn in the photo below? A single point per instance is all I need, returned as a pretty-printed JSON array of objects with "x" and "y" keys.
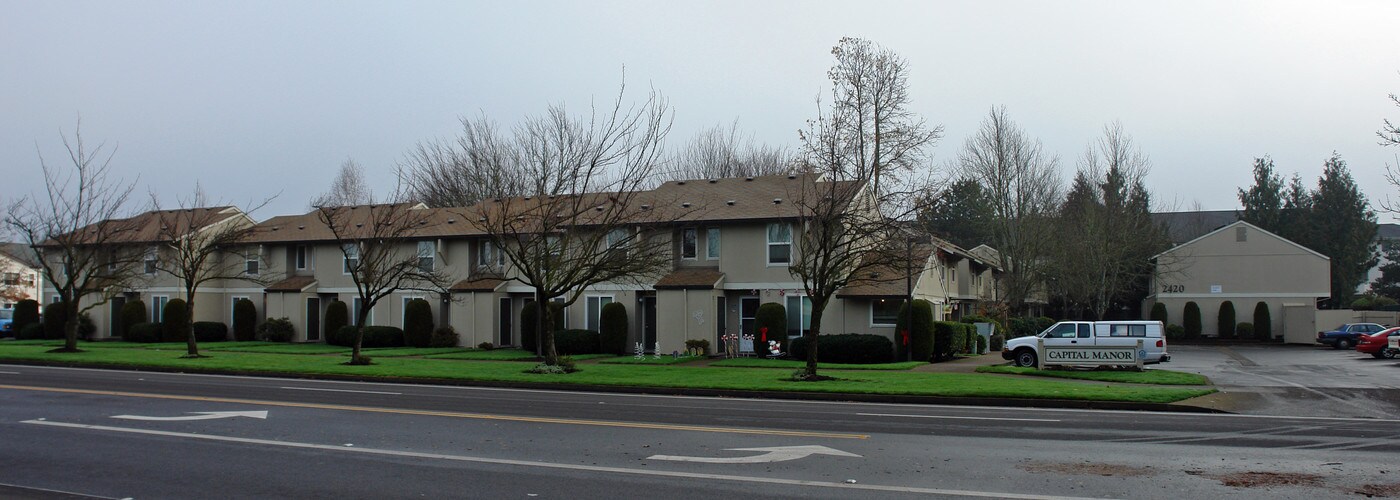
[
  {"x": 161, "y": 346},
  {"x": 280, "y": 348},
  {"x": 793, "y": 364},
  {"x": 398, "y": 368},
  {"x": 395, "y": 352},
  {"x": 1157, "y": 377},
  {"x": 648, "y": 360}
]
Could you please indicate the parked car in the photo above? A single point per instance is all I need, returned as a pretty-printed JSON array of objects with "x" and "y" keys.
[
  {"x": 1378, "y": 344},
  {"x": 1347, "y": 335},
  {"x": 7, "y": 322},
  {"x": 1023, "y": 350}
]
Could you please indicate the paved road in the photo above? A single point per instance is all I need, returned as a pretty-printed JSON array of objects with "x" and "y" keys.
[
  {"x": 1296, "y": 380},
  {"x": 58, "y": 431}
]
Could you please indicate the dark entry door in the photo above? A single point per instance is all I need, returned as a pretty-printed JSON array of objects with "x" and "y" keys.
[
  {"x": 313, "y": 318},
  {"x": 114, "y": 323},
  {"x": 748, "y": 311},
  {"x": 505, "y": 318},
  {"x": 649, "y": 323}
]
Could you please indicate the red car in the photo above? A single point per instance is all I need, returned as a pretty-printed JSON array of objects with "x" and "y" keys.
[{"x": 1377, "y": 344}]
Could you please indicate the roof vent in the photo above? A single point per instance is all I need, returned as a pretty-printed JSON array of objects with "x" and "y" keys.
[
  {"x": 359, "y": 225},
  {"x": 792, "y": 176},
  {"x": 730, "y": 203},
  {"x": 274, "y": 228},
  {"x": 497, "y": 200},
  {"x": 483, "y": 219},
  {"x": 777, "y": 201},
  {"x": 748, "y": 179},
  {"x": 301, "y": 226},
  {"x": 527, "y": 198},
  {"x": 646, "y": 207},
  {"x": 685, "y": 205},
  {"x": 712, "y": 181},
  {"x": 451, "y": 221},
  {"x": 680, "y": 183},
  {"x": 598, "y": 208}
]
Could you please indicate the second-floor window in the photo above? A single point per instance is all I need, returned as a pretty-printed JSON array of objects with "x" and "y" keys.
[
  {"x": 488, "y": 255},
  {"x": 712, "y": 243},
  {"x": 149, "y": 263},
  {"x": 427, "y": 256},
  {"x": 250, "y": 265},
  {"x": 301, "y": 257},
  {"x": 688, "y": 243},
  {"x": 617, "y": 237},
  {"x": 779, "y": 244},
  {"x": 352, "y": 257}
]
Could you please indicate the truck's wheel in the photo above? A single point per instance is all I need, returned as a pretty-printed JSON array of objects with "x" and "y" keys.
[
  {"x": 1343, "y": 344},
  {"x": 1025, "y": 358}
]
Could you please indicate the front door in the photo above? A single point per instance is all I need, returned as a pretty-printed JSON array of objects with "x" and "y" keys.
[
  {"x": 313, "y": 319},
  {"x": 748, "y": 312},
  {"x": 504, "y": 321},
  {"x": 649, "y": 322},
  {"x": 115, "y": 321}
]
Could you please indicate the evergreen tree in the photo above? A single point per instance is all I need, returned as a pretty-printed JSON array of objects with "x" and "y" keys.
[
  {"x": 1388, "y": 283},
  {"x": 1342, "y": 211},
  {"x": 1295, "y": 221},
  {"x": 1263, "y": 202},
  {"x": 962, "y": 214}
]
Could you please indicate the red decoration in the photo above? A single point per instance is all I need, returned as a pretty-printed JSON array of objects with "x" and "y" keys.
[
  {"x": 764, "y": 332},
  {"x": 905, "y": 335}
]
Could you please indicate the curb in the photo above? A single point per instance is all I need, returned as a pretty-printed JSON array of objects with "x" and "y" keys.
[{"x": 676, "y": 391}]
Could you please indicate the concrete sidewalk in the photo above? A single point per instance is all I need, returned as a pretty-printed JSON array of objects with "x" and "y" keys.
[{"x": 963, "y": 365}]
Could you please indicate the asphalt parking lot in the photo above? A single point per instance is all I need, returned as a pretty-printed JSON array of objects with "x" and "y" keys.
[{"x": 1295, "y": 380}]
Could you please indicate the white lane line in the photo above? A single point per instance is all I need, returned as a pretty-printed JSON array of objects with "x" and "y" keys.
[
  {"x": 61, "y": 492},
  {"x": 9, "y": 373},
  {"x": 548, "y": 465},
  {"x": 959, "y": 418},
  {"x": 340, "y": 390}
]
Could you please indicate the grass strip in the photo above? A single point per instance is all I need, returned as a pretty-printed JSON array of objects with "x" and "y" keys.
[
  {"x": 648, "y": 360},
  {"x": 752, "y": 379},
  {"x": 793, "y": 364},
  {"x": 396, "y": 352},
  {"x": 284, "y": 348},
  {"x": 1155, "y": 377}
]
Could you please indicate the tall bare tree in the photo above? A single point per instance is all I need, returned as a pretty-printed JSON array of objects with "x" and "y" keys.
[
  {"x": 377, "y": 241},
  {"x": 718, "y": 153},
  {"x": 348, "y": 188},
  {"x": 1390, "y": 136},
  {"x": 1022, "y": 184},
  {"x": 476, "y": 165},
  {"x": 78, "y": 227},
  {"x": 849, "y": 225},
  {"x": 587, "y": 216},
  {"x": 199, "y": 243},
  {"x": 870, "y": 84}
]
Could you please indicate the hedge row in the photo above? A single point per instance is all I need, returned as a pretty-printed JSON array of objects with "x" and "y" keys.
[
  {"x": 373, "y": 336},
  {"x": 851, "y": 348}
]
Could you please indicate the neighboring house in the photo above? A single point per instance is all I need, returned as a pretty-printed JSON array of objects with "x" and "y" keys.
[
  {"x": 1245, "y": 265},
  {"x": 19, "y": 275}
]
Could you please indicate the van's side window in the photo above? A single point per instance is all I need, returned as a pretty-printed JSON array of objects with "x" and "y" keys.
[
  {"x": 1084, "y": 332},
  {"x": 1127, "y": 331}
]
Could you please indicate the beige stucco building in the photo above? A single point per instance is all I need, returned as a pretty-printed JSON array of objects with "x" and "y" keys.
[
  {"x": 1245, "y": 265},
  {"x": 19, "y": 275}
]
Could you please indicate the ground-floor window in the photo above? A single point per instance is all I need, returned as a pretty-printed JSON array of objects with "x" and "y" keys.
[
  {"x": 233, "y": 306},
  {"x": 158, "y": 308},
  {"x": 884, "y": 312},
  {"x": 799, "y": 315},
  {"x": 355, "y": 308},
  {"x": 594, "y": 313}
]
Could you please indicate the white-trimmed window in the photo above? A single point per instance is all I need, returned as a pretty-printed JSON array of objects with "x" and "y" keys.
[
  {"x": 427, "y": 256},
  {"x": 149, "y": 263},
  {"x": 712, "y": 243},
  {"x": 799, "y": 315},
  {"x": 618, "y": 237},
  {"x": 251, "y": 264},
  {"x": 594, "y": 313},
  {"x": 779, "y": 244},
  {"x": 403, "y": 315},
  {"x": 352, "y": 257},
  {"x": 688, "y": 243},
  {"x": 554, "y": 245},
  {"x": 487, "y": 254},
  {"x": 233, "y": 306},
  {"x": 355, "y": 306},
  {"x": 302, "y": 259},
  {"x": 884, "y": 312},
  {"x": 158, "y": 307}
]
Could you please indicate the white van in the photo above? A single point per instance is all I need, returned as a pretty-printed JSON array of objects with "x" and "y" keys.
[{"x": 1092, "y": 333}]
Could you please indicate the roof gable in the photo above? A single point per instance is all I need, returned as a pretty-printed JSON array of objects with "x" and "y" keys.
[{"x": 1238, "y": 224}]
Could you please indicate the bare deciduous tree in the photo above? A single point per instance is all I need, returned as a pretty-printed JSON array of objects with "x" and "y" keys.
[
  {"x": 1390, "y": 136},
  {"x": 377, "y": 242},
  {"x": 587, "y": 217},
  {"x": 1022, "y": 184},
  {"x": 479, "y": 164},
  {"x": 348, "y": 188},
  {"x": 198, "y": 244},
  {"x": 78, "y": 227},
  {"x": 718, "y": 153}
]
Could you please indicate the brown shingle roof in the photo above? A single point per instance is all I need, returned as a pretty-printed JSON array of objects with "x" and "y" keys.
[
  {"x": 884, "y": 281},
  {"x": 292, "y": 284},
  {"x": 746, "y": 198},
  {"x": 694, "y": 278},
  {"x": 147, "y": 226},
  {"x": 308, "y": 227},
  {"x": 20, "y": 253},
  {"x": 478, "y": 284}
]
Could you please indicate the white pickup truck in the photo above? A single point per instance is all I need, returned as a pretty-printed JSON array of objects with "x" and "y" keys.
[{"x": 1023, "y": 351}]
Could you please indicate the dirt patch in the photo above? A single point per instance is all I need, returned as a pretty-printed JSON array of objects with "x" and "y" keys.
[
  {"x": 1379, "y": 490},
  {"x": 1265, "y": 479},
  {"x": 1087, "y": 469}
]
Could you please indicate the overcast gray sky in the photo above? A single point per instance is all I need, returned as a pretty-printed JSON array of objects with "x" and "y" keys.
[{"x": 251, "y": 98}]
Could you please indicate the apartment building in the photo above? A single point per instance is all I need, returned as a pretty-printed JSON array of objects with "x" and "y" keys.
[{"x": 19, "y": 275}]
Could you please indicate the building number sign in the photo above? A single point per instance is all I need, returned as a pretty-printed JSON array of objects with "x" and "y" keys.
[{"x": 1173, "y": 288}]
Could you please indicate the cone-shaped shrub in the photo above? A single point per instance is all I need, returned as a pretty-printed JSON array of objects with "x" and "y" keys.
[{"x": 771, "y": 324}]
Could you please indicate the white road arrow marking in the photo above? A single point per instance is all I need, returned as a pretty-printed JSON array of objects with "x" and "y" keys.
[
  {"x": 774, "y": 454},
  {"x": 199, "y": 415}
]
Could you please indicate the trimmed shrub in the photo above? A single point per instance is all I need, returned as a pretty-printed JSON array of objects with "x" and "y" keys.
[
  {"x": 527, "y": 323},
  {"x": 444, "y": 336},
  {"x": 1176, "y": 332},
  {"x": 418, "y": 323},
  {"x": 1023, "y": 327},
  {"x": 143, "y": 332},
  {"x": 26, "y": 313},
  {"x": 1159, "y": 313},
  {"x": 945, "y": 339},
  {"x": 1191, "y": 320},
  {"x": 570, "y": 342},
  {"x": 920, "y": 346},
  {"x": 132, "y": 313},
  {"x": 373, "y": 336},
  {"x": 55, "y": 315},
  {"x": 997, "y": 342},
  {"x": 770, "y": 323},
  {"x": 32, "y": 331},
  {"x": 1245, "y": 329},
  {"x": 1362, "y": 303},
  {"x": 86, "y": 328},
  {"x": 485, "y": 346},
  {"x": 981, "y": 344},
  {"x": 612, "y": 333},
  {"x": 175, "y": 326},
  {"x": 276, "y": 330},
  {"x": 1263, "y": 322},
  {"x": 210, "y": 331},
  {"x": 1042, "y": 323},
  {"x": 854, "y": 348},
  {"x": 1226, "y": 321},
  {"x": 1383, "y": 303},
  {"x": 245, "y": 320}
]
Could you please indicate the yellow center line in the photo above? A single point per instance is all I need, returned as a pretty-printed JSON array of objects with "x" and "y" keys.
[{"x": 479, "y": 416}]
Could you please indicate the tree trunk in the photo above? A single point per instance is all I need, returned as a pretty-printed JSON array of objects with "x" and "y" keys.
[
  {"x": 818, "y": 308},
  {"x": 191, "y": 344},
  {"x": 546, "y": 330},
  {"x": 359, "y": 334},
  {"x": 70, "y": 326}
]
